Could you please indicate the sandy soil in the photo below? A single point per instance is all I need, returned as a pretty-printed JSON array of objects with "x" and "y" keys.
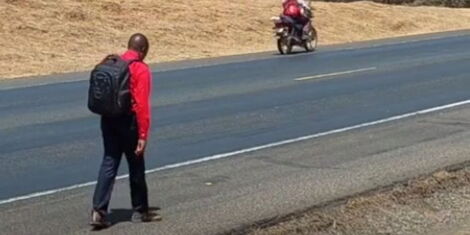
[
  {"x": 433, "y": 205},
  {"x": 40, "y": 37}
]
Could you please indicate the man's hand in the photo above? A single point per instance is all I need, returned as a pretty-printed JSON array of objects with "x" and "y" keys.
[{"x": 141, "y": 144}]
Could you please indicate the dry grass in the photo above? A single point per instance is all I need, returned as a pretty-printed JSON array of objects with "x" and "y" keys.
[
  {"x": 422, "y": 206},
  {"x": 49, "y": 36}
]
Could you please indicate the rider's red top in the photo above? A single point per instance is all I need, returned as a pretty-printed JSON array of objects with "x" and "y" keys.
[
  {"x": 140, "y": 87},
  {"x": 292, "y": 9}
]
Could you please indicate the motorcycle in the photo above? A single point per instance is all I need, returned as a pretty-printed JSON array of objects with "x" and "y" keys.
[{"x": 290, "y": 34}]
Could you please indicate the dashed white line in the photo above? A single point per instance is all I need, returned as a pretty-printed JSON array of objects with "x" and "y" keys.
[
  {"x": 248, "y": 150},
  {"x": 336, "y": 74}
]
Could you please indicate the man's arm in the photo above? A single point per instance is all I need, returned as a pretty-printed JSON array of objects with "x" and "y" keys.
[{"x": 141, "y": 97}]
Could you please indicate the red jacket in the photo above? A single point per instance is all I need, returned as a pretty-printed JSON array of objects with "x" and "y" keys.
[{"x": 140, "y": 87}]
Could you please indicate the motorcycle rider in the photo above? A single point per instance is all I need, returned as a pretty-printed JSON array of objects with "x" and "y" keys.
[{"x": 301, "y": 12}]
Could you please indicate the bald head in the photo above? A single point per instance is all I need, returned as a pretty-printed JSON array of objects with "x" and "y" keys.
[{"x": 138, "y": 42}]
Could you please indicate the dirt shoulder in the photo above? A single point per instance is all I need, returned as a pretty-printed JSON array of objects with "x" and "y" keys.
[
  {"x": 44, "y": 36},
  {"x": 436, "y": 204}
]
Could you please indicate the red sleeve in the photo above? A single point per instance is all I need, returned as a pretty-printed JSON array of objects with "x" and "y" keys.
[{"x": 140, "y": 91}]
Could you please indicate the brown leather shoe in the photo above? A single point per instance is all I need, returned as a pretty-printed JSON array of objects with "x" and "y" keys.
[{"x": 98, "y": 220}]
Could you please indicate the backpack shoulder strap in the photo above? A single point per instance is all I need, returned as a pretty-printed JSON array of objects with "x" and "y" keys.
[{"x": 129, "y": 63}]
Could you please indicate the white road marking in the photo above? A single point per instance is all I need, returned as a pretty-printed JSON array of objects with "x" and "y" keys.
[
  {"x": 248, "y": 150},
  {"x": 335, "y": 74}
]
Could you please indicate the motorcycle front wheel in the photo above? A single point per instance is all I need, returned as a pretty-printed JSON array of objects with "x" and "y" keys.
[
  {"x": 311, "y": 43},
  {"x": 284, "y": 46}
]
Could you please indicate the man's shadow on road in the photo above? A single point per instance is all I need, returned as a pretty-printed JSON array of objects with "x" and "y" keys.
[{"x": 117, "y": 216}]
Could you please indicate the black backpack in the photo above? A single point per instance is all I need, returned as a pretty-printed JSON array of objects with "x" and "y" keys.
[{"x": 109, "y": 93}]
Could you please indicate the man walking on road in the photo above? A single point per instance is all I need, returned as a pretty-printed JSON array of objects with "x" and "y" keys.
[{"x": 127, "y": 134}]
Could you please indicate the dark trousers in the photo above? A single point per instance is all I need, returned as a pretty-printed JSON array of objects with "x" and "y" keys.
[{"x": 120, "y": 137}]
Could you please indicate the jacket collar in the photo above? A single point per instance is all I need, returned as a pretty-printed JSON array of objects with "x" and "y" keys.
[{"x": 131, "y": 55}]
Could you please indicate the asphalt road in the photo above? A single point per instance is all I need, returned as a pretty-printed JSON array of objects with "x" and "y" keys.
[
  {"x": 217, "y": 196},
  {"x": 49, "y": 140}
]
